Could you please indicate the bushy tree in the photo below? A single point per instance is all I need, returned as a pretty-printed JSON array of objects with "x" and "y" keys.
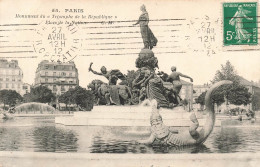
[
  {"x": 201, "y": 99},
  {"x": 67, "y": 97},
  {"x": 80, "y": 96},
  {"x": 10, "y": 97},
  {"x": 236, "y": 93},
  {"x": 84, "y": 98},
  {"x": 220, "y": 95},
  {"x": 227, "y": 72},
  {"x": 40, "y": 94}
]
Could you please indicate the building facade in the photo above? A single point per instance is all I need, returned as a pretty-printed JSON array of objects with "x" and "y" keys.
[
  {"x": 58, "y": 77},
  {"x": 254, "y": 89},
  {"x": 26, "y": 88},
  {"x": 11, "y": 76}
]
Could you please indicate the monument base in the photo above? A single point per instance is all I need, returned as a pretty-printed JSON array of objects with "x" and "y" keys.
[{"x": 128, "y": 116}]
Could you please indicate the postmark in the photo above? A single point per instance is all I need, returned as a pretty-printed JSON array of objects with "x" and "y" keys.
[
  {"x": 240, "y": 23},
  {"x": 58, "y": 42}
]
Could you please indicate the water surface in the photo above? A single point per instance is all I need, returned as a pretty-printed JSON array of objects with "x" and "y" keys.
[{"x": 41, "y": 134}]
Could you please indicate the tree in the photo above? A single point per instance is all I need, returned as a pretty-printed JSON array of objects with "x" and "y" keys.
[
  {"x": 80, "y": 96},
  {"x": 10, "y": 97},
  {"x": 220, "y": 96},
  {"x": 27, "y": 97},
  {"x": 201, "y": 99},
  {"x": 236, "y": 93},
  {"x": 227, "y": 72},
  {"x": 83, "y": 98},
  {"x": 40, "y": 94},
  {"x": 67, "y": 97}
]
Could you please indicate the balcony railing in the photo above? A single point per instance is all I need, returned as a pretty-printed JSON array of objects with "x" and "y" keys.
[
  {"x": 57, "y": 76},
  {"x": 57, "y": 83}
]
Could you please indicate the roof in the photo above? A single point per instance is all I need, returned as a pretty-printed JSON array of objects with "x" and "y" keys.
[
  {"x": 245, "y": 82},
  {"x": 47, "y": 62}
]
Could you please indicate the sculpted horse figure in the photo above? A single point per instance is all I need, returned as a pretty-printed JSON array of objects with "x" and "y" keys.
[
  {"x": 118, "y": 94},
  {"x": 192, "y": 136}
]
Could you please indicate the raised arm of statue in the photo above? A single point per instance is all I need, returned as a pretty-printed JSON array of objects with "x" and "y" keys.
[
  {"x": 97, "y": 73},
  {"x": 90, "y": 66},
  {"x": 94, "y": 72},
  {"x": 186, "y": 76}
]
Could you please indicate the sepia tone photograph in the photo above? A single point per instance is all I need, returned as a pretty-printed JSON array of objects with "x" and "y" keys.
[{"x": 146, "y": 83}]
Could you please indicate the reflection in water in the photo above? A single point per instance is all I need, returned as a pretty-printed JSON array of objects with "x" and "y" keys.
[
  {"x": 238, "y": 139},
  {"x": 51, "y": 139},
  {"x": 41, "y": 134},
  {"x": 9, "y": 139},
  {"x": 228, "y": 140},
  {"x": 36, "y": 134},
  {"x": 115, "y": 146}
]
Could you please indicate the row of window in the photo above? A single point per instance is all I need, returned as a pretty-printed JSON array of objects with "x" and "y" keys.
[
  {"x": 13, "y": 72},
  {"x": 58, "y": 74},
  {"x": 11, "y": 79},
  {"x": 60, "y": 67},
  {"x": 62, "y": 88},
  {"x": 7, "y": 85},
  {"x": 55, "y": 80},
  {"x": 8, "y": 65}
]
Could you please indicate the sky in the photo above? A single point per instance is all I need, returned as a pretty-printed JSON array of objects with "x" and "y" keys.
[{"x": 178, "y": 26}]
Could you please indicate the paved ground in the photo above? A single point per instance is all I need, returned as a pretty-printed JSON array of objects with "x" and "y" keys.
[{"x": 36, "y": 159}]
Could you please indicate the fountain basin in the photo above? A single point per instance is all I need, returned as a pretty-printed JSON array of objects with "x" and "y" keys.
[{"x": 128, "y": 116}]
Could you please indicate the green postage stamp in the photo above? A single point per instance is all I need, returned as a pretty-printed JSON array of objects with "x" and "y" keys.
[{"x": 240, "y": 23}]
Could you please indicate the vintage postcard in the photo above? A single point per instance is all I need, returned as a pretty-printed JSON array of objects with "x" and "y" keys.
[{"x": 149, "y": 83}]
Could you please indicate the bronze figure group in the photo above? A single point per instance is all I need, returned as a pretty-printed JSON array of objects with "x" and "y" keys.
[{"x": 147, "y": 84}]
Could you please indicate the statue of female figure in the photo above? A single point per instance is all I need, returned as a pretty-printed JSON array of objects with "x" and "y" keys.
[
  {"x": 237, "y": 21},
  {"x": 153, "y": 84},
  {"x": 149, "y": 39},
  {"x": 155, "y": 88}
]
